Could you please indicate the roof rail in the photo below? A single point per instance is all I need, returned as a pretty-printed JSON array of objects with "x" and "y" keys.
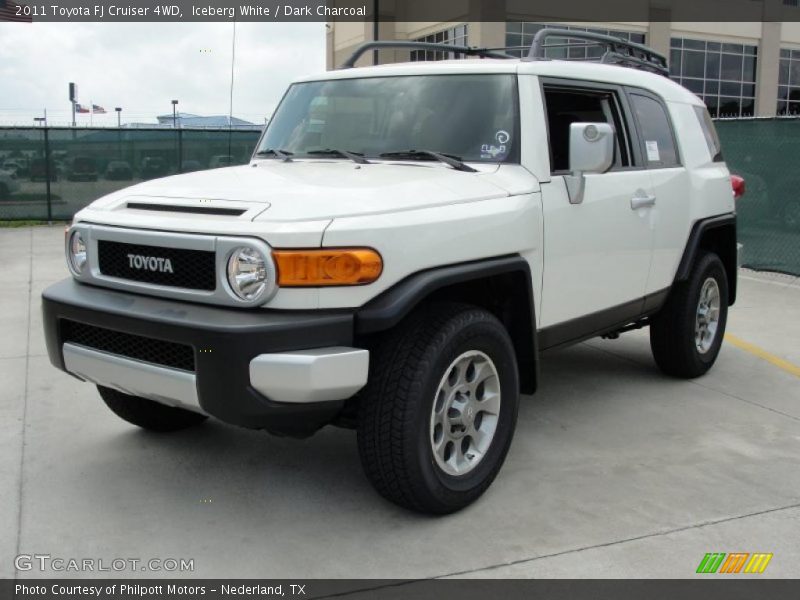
[
  {"x": 383, "y": 44},
  {"x": 618, "y": 51}
]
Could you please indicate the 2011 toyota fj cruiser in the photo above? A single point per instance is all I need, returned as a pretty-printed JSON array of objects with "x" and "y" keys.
[{"x": 403, "y": 244}]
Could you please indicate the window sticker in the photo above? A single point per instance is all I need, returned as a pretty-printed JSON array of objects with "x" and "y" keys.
[
  {"x": 653, "y": 154},
  {"x": 499, "y": 150}
]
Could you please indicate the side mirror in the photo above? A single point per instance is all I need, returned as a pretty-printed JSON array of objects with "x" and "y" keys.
[{"x": 591, "y": 150}]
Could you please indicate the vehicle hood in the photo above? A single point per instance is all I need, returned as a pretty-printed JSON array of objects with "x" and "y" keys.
[{"x": 273, "y": 190}]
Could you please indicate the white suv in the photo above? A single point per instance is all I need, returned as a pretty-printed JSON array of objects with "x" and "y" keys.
[{"x": 405, "y": 242}]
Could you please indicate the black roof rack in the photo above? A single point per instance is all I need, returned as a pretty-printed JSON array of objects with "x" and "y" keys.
[
  {"x": 380, "y": 45},
  {"x": 618, "y": 51}
]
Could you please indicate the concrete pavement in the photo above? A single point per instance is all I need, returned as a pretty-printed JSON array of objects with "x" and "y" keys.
[{"x": 615, "y": 470}]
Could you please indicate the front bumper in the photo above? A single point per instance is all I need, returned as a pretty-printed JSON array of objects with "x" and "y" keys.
[{"x": 241, "y": 357}]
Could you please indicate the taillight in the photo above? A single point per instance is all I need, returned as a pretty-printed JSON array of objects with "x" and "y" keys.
[{"x": 737, "y": 183}]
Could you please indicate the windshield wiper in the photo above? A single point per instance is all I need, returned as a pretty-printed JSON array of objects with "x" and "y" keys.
[
  {"x": 284, "y": 155},
  {"x": 356, "y": 157},
  {"x": 448, "y": 159}
]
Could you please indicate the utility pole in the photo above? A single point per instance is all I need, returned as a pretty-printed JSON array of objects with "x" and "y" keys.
[
  {"x": 178, "y": 166},
  {"x": 119, "y": 131},
  {"x": 73, "y": 98}
]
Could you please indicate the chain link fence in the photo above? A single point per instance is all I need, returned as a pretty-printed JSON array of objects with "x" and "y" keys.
[
  {"x": 765, "y": 152},
  {"x": 50, "y": 173},
  {"x": 85, "y": 164}
]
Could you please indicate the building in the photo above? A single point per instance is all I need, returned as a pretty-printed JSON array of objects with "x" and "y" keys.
[
  {"x": 744, "y": 68},
  {"x": 189, "y": 121}
]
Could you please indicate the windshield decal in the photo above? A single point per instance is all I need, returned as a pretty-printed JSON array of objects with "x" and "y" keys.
[{"x": 499, "y": 150}]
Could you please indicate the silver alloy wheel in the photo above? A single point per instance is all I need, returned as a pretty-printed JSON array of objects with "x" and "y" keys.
[
  {"x": 465, "y": 413},
  {"x": 707, "y": 319}
]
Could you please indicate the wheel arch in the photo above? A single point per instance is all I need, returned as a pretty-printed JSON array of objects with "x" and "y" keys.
[
  {"x": 501, "y": 285},
  {"x": 714, "y": 234}
]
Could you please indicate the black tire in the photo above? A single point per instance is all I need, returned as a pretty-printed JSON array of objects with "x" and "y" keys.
[
  {"x": 672, "y": 331},
  {"x": 394, "y": 426},
  {"x": 148, "y": 414}
]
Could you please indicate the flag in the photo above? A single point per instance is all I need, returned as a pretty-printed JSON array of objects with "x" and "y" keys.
[
  {"x": 79, "y": 108},
  {"x": 98, "y": 110},
  {"x": 8, "y": 12}
]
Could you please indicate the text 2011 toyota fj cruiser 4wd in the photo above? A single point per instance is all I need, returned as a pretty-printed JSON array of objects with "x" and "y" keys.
[{"x": 403, "y": 244}]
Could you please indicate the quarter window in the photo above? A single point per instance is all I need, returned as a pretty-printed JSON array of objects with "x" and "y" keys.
[
  {"x": 709, "y": 132},
  {"x": 656, "y": 132}
]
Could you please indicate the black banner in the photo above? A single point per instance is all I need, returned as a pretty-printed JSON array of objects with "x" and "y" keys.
[
  {"x": 438, "y": 589},
  {"x": 399, "y": 10}
]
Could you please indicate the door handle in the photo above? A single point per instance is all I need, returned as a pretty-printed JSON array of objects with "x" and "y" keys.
[{"x": 642, "y": 201}]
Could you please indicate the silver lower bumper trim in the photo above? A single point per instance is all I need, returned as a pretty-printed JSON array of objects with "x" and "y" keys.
[
  {"x": 317, "y": 375},
  {"x": 161, "y": 384}
]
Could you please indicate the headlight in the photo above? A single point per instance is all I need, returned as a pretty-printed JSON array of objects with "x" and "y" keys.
[
  {"x": 247, "y": 273},
  {"x": 76, "y": 251}
]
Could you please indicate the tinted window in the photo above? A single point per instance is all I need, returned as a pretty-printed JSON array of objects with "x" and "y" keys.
[
  {"x": 709, "y": 132},
  {"x": 473, "y": 117},
  {"x": 654, "y": 126}
]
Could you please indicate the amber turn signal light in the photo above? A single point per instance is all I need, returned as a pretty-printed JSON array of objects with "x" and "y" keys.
[{"x": 329, "y": 266}]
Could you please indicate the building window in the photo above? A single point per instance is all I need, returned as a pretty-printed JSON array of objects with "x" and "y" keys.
[
  {"x": 795, "y": 3},
  {"x": 519, "y": 37},
  {"x": 723, "y": 75},
  {"x": 455, "y": 36},
  {"x": 789, "y": 83}
]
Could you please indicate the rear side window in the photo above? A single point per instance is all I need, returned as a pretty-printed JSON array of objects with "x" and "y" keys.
[
  {"x": 656, "y": 131},
  {"x": 709, "y": 132}
]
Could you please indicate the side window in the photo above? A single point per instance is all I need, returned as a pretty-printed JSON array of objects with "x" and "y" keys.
[
  {"x": 656, "y": 132},
  {"x": 566, "y": 105},
  {"x": 709, "y": 132}
]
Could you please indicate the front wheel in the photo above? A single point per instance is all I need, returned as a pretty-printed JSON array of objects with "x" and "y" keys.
[
  {"x": 686, "y": 335},
  {"x": 438, "y": 414}
]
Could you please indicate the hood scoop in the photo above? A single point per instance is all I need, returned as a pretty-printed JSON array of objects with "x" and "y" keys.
[
  {"x": 162, "y": 207},
  {"x": 184, "y": 208}
]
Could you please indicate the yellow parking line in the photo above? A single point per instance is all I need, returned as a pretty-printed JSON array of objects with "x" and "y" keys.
[{"x": 763, "y": 354}]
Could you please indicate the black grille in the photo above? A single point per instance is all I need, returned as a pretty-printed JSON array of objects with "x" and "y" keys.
[
  {"x": 191, "y": 269},
  {"x": 166, "y": 354}
]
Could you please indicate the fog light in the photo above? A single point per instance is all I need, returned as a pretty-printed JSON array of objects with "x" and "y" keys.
[
  {"x": 76, "y": 251},
  {"x": 247, "y": 273}
]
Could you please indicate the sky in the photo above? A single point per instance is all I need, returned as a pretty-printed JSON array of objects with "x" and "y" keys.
[{"x": 142, "y": 67}]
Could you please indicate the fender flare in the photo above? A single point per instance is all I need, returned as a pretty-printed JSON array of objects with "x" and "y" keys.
[
  {"x": 694, "y": 244},
  {"x": 390, "y": 307}
]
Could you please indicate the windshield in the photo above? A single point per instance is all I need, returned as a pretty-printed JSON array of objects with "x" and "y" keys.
[{"x": 472, "y": 117}]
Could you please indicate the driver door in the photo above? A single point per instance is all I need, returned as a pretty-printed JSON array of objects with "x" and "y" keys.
[{"x": 597, "y": 253}]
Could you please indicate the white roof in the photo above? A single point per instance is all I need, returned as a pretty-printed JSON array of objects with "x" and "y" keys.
[{"x": 564, "y": 69}]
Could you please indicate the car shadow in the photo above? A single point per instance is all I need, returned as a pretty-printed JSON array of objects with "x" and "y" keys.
[{"x": 237, "y": 470}]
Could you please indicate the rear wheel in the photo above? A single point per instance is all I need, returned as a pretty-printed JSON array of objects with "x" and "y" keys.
[
  {"x": 148, "y": 414},
  {"x": 686, "y": 335},
  {"x": 438, "y": 414}
]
